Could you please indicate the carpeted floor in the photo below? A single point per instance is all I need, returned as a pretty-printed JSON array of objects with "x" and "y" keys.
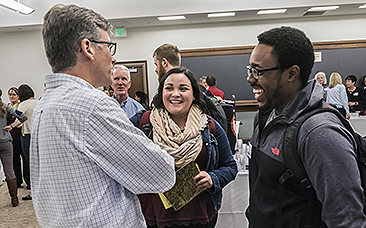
[{"x": 16, "y": 217}]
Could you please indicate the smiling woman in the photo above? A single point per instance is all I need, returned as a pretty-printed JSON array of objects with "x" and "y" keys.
[{"x": 180, "y": 127}]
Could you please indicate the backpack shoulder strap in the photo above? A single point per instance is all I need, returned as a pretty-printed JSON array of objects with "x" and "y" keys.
[
  {"x": 145, "y": 124},
  {"x": 295, "y": 168},
  {"x": 212, "y": 126},
  {"x": 290, "y": 155}
]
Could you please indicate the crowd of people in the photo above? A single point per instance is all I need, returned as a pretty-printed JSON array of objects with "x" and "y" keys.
[
  {"x": 93, "y": 160},
  {"x": 346, "y": 98}
]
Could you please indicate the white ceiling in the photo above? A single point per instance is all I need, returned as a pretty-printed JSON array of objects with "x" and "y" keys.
[{"x": 142, "y": 13}]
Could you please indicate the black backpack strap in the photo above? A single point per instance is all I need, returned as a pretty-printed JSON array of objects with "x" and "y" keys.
[
  {"x": 292, "y": 162},
  {"x": 212, "y": 127},
  {"x": 295, "y": 168}
]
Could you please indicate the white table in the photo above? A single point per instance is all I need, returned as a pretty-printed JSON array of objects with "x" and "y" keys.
[
  {"x": 359, "y": 124},
  {"x": 236, "y": 194},
  {"x": 234, "y": 203}
]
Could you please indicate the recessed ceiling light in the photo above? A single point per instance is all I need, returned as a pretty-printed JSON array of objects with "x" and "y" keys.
[
  {"x": 229, "y": 14},
  {"x": 272, "y": 11},
  {"x": 323, "y": 8},
  {"x": 170, "y": 18},
  {"x": 16, "y": 6},
  {"x": 362, "y": 6}
]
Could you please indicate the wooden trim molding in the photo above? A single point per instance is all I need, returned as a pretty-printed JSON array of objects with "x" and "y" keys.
[
  {"x": 216, "y": 51},
  {"x": 246, "y": 105},
  {"x": 248, "y": 49},
  {"x": 346, "y": 44}
]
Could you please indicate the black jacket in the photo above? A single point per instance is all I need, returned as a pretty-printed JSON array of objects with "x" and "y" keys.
[{"x": 326, "y": 150}]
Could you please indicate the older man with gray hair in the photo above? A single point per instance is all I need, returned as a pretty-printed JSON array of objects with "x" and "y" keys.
[{"x": 121, "y": 83}]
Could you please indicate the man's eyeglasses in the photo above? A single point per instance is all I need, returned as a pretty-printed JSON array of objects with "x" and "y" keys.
[
  {"x": 256, "y": 73},
  {"x": 111, "y": 45}
]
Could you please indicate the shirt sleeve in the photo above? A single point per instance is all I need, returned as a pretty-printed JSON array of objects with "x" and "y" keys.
[
  {"x": 344, "y": 98},
  {"x": 125, "y": 153},
  {"x": 16, "y": 113},
  {"x": 327, "y": 152}
]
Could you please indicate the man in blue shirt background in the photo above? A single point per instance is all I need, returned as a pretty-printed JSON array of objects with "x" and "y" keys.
[{"x": 121, "y": 82}]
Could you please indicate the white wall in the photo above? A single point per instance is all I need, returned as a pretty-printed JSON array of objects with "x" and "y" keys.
[{"x": 23, "y": 60}]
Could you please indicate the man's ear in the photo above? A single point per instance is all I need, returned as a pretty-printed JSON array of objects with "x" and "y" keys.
[
  {"x": 164, "y": 62},
  {"x": 87, "y": 49},
  {"x": 293, "y": 73}
]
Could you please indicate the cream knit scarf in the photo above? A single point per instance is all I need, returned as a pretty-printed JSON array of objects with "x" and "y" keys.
[{"x": 184, "y": 146}]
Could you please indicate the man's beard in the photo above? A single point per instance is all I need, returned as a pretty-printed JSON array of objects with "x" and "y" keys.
[
  {"x": 274, "y": 98},
  {"x": 161, "y": 72}
]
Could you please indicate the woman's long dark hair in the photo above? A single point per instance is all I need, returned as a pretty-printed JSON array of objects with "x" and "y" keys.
[{"x": 157, "y": 101}]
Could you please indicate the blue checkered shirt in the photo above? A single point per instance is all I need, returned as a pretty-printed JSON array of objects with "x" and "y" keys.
[{"x": 87, "y": 160}]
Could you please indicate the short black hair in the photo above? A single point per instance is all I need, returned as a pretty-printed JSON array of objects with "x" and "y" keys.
[
  {"x": 157, "y": 101},
  {"x": 291, "y": 47},
  {"x": 211, "y": 80},
  {"x": 25, "y": 92},
  {"x": 352, "y": 78}
]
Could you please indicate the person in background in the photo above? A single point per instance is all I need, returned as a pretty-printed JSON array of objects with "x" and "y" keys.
[
  {"x": 364, "y": 85},
  {"x": 322, "y": 79},
  {"x": 6, "y": 147},
  {"x": 111, "y": 91},
  {"x": 27, "y": 104},
  {"x": 88, "y": 162},
  {"x": 141, "y": 97},
  {"x": 337, "y": 95},
  {"x": 180, "y": 127},
  {"x": 121, "y": 83},
  {"x": 354, "y": 94},
  {"x": 211, "y": 82},
  {"x": 15, "y": 134},
  {"x": 106, "y": 91},
  {"x": 166, "y": 57},
  {"x": 204, "y": 86},
  {"x": 203, "y": 83}
]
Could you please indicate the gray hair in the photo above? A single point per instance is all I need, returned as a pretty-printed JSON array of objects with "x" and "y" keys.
[
  {"x": 321, "y": 73},
  {"x": 122, "y": 67},
  {"x": 64, "y": 28},
  {"x": 203, "y": 78}
]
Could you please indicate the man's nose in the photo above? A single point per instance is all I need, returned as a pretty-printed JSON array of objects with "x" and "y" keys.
[{"x": 251, "y": 79}]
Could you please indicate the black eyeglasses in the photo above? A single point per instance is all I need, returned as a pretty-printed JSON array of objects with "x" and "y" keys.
[
  {"x": 111, "y": 45},
  {"x": 256, "y": 73}
]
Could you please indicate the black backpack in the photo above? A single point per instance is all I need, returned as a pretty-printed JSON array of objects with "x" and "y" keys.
[
  {"x": 215, "y": 110},
  {"x": 295, "y": 167}
]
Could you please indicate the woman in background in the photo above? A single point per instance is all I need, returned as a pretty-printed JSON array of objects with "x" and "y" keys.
[
  {"x": 142, "y": 98},
  {"x": 15, "y": 133},
  {"x": 180, "y": 127},
  {"x": 337, "y": 95},
  {"x": 6, "y": 147},
  {"x": 322, "y": 79},
  {"x": 27, "y": 104}
]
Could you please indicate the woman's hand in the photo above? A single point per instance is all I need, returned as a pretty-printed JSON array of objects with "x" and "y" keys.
[
  {"x": 202, "y": 180},
  {"x": 7, "y": 128}
]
